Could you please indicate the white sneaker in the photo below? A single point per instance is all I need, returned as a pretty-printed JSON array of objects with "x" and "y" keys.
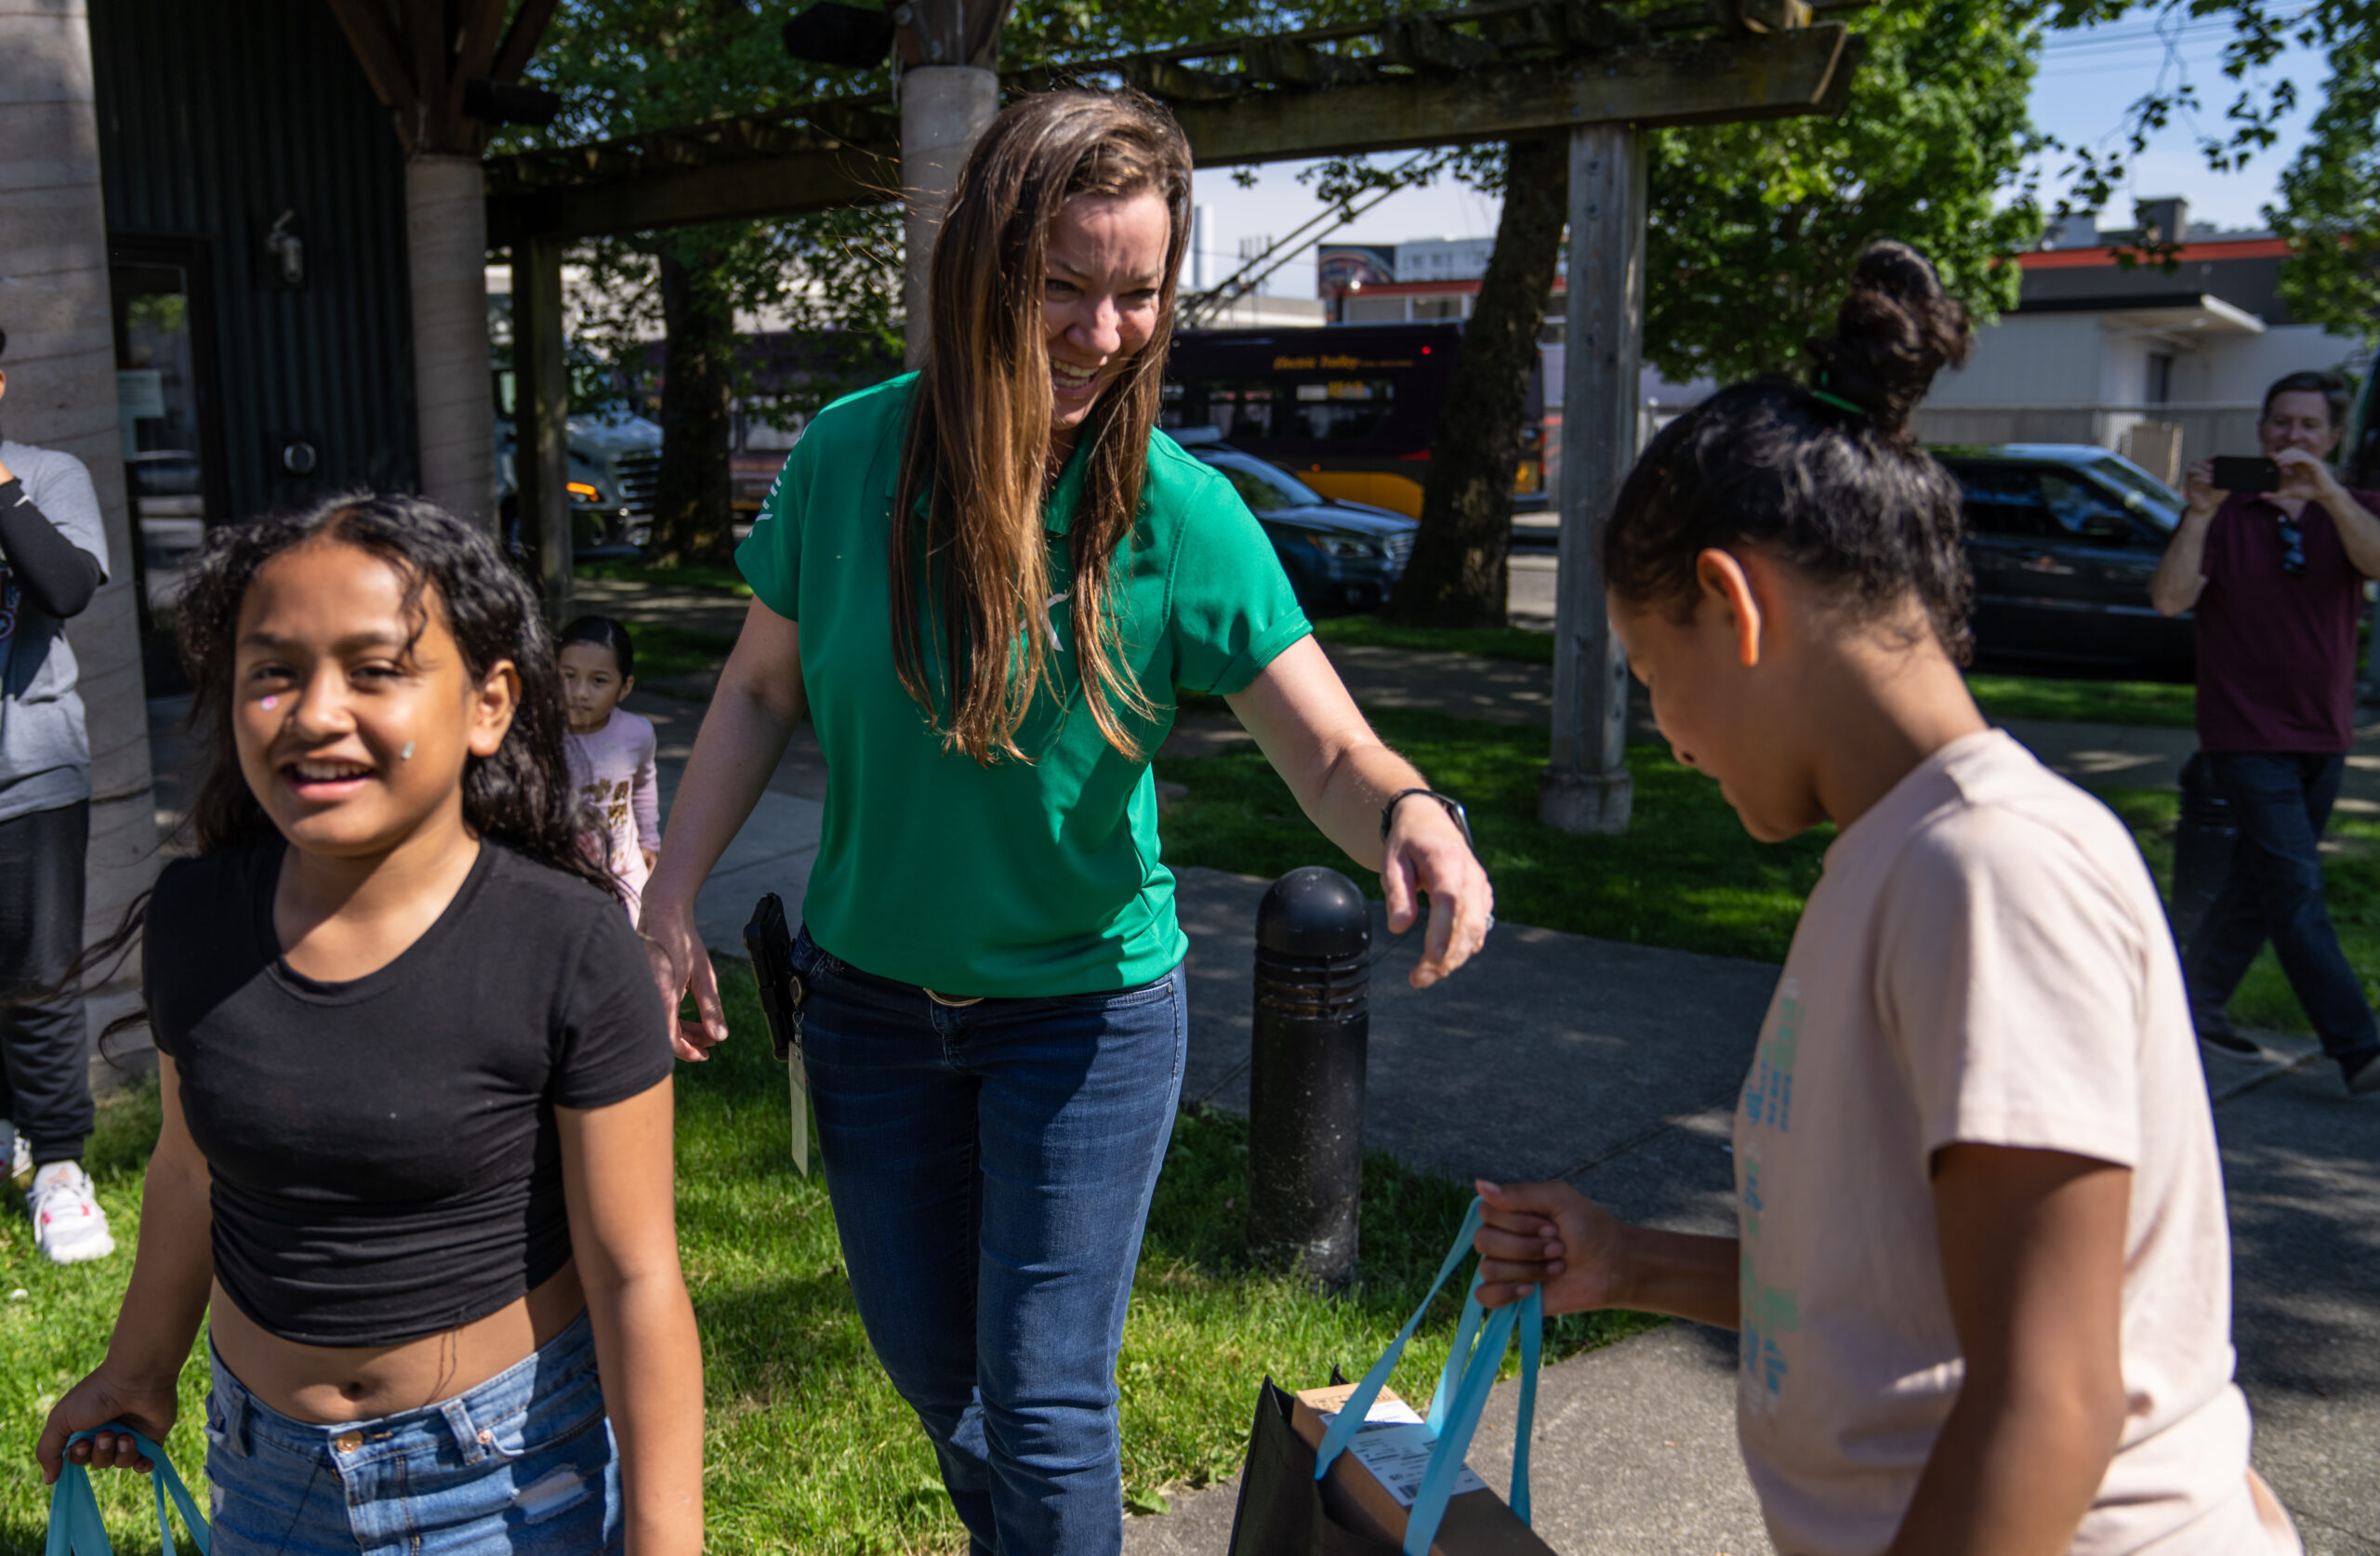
[
  {"x": 20, "y": 1158},
  {"x": 67, "y": 1223}
]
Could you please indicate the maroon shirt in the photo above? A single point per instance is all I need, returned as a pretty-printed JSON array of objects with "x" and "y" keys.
[{"x": 2276, "y": 651}]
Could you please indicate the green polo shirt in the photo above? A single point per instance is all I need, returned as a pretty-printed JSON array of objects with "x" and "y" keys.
[{"x": 1016, "y": 878}]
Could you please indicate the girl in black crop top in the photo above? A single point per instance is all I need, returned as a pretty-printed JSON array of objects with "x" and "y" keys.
[{"x": 418, "y": 1119}]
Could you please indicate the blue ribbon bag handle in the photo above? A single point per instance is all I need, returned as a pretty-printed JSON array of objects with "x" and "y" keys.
[
  {"x": 1464, "y": 1386},
  {"x": 75, "y": 1526}
]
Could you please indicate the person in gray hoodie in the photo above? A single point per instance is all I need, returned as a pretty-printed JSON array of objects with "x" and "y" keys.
[{"x": 53, "y": 558}]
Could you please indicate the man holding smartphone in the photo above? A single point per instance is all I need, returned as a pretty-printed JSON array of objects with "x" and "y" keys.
[
  {"x": 53, "y": 558},
  {"x": 2272, "y": 554}
]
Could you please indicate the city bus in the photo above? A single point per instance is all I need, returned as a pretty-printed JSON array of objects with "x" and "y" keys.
[{"x": 1349, "y": 409}]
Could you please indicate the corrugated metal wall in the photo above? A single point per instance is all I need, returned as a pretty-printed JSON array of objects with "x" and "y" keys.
[{"x": 214, "y": 117}]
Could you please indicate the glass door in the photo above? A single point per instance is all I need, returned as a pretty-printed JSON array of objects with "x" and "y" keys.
[{"x": 164, "y": 407}]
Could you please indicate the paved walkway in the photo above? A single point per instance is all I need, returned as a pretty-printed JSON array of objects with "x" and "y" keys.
[{"x": 1615, "y": 1066}]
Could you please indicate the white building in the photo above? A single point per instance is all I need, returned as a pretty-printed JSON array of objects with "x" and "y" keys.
[{"x": 2165, "y": 365}]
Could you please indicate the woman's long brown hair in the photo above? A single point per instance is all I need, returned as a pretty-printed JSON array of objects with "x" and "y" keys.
[{"x": 977, "y": 445}]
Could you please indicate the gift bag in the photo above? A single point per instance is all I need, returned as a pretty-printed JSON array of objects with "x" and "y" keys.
[
  {"x": 1404, "y": 1486},
  {"x": 75, "y": 1526},
  {"x": 1280, "y": 1504}
]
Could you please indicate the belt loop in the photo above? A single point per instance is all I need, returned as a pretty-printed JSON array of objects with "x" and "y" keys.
[
  {"x": 470, "y": 1441},
  {"x": 230, "y": 1397}
]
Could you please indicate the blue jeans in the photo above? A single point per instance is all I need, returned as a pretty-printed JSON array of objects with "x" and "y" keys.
[
  {"x": 523, "y": 1463},
  {"x": 2282, "y": 802},
  {"x": 991, "y": 1166}
]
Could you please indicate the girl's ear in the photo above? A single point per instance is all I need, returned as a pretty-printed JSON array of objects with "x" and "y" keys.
[
  {"x": 1726, "y": 586},
  {"x": 493, "y": 705},
  {"x": 627, "y": 684}
]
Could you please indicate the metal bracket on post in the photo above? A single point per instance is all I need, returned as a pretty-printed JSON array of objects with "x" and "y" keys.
[
  {"x": 1586, "y": 786},
  {"x": 541, "y": 422}
]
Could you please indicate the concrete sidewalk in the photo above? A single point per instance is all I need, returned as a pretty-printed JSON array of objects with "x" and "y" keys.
[{"x": 1616, "y": 1067}]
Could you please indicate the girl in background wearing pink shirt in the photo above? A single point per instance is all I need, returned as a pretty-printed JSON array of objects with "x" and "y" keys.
[
  {"x": 610, "y": 754},
  {"x": 1982, "y": 1269}
]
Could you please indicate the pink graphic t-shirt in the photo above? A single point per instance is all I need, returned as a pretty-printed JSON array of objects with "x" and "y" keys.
[{"x": 613, "y": 771}]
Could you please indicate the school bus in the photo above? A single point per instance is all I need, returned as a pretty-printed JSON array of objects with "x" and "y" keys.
[{"x": 1350, "y": 409}]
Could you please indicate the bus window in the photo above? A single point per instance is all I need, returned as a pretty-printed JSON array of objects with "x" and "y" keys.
[
  {"x": 1233, "y": 407},
  {"x": 1343, "y": 409}
]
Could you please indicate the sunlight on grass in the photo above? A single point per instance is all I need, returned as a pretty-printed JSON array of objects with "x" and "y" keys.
[
  {"x": 1685, "y": 876},
  {"x": 2155, "y": 703},
  {"x": 2351, "y": 884},
  {"x": 809, "y": 1448},
  {"x": 712, "y": 580}
]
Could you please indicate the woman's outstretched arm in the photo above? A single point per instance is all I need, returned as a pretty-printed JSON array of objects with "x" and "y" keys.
[
  {"x": 752, "y": 715},
  {"x": 1317, "y": 740}
]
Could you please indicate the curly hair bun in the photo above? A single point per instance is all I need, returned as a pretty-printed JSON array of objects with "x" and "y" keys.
[{"x": 1897, "y": 330}]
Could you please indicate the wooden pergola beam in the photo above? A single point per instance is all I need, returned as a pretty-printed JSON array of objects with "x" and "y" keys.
[
  {"x": 378, "y": 47},
  {"x": 1689, "y": 82},
  {"x": 1678, "y": 81},
  {"x": 521, "y": 39},
  {"x": 787, "y": 185}
]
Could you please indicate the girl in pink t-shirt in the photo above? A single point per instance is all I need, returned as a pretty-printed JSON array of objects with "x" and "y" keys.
[
  {"x": 1981, "y": 1271},
  {"x": 610, "y": 754}
]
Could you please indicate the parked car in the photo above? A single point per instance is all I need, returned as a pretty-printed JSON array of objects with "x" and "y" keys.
[
  {"x": 614, "y": 464},
  {"x": 2063, "y": 538},
  {"x": 1340, "y": 556}
]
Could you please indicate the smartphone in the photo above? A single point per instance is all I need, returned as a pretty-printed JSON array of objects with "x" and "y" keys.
[{"x": 2235, "y": 474}]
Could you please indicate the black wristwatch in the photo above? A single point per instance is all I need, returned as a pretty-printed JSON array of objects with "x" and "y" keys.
[{"x": 1454, "y": 808}]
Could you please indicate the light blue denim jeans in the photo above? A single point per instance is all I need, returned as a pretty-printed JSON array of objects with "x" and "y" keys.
[
  {"x": 991, "y": 1166},
  {"x": 523, "y": 1463}
]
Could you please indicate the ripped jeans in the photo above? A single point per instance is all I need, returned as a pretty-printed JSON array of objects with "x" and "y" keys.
[{"x": 523, "y": 1463}]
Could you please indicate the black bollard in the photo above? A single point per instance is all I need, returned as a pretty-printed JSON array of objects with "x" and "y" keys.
[
  {"x": 1305, "y": 1108},
  {"x": 2203, "y": 841}
]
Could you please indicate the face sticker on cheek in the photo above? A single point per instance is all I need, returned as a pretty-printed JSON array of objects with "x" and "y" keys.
[{"x": 269, "y": 703}]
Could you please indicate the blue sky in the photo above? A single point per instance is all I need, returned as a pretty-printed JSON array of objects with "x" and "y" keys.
[{"x": 2087, "y": 80}]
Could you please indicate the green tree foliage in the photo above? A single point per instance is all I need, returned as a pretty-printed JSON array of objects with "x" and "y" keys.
[
  {"x": 627, "y": 67},
  {"x": 2330, "y": 203},
  {"x": 1756, "y": 227}
]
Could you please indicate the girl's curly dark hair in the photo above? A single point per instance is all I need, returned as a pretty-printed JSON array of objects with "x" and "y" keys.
[
  {"x": 521, "y": 796},
  {"x": 1823, "y": 475}
]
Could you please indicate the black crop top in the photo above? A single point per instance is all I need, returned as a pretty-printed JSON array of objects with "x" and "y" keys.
[{"x": 385, "y": 1158}]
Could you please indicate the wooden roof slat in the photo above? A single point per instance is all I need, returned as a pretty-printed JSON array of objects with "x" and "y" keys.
[
  {"x": 847, "y": 151},
  {"x": 1422, "y": 45}
]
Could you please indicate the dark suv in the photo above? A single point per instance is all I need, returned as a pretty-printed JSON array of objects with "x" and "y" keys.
[
  {"x": 1340, "y": 556},
  {"x": 2063, "y": 538}
]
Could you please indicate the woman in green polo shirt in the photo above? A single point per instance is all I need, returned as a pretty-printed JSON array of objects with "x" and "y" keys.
[{"x": 994, "y": 1026}]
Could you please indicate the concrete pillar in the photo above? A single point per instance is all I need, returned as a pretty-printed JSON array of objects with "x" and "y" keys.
[
  {"x": 61, "y": 395},
  {"x": 943, "y": 109},
  {"x": 541, "y": 421},
  {"x": 454, "y": 396},
  {"x": 1586, "y": 786}
]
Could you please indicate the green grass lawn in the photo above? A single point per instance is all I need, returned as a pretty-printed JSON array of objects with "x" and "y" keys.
[
  {"x": 810, "y": 1450},
  {"x": 714, "y": 580},
  {"x": 2000, "y": 696},
  {"x": 2351, "y": 880},
  {"x": 1488, "y": 643},
  {"x": 2162, "y": 704},
  {"x": 665, "y": 652},
  {"x": 1685, "y": 874}
]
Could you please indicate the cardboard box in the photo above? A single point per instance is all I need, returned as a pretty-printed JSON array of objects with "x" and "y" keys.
[{"x": 1394, "y": 1444}]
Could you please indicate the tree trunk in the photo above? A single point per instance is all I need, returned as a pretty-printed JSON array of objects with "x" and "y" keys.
[
  {"x": 446, "y": 254},
  {"x": 692, "y": 518},
  {"x": 1456, "y": 576}
]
